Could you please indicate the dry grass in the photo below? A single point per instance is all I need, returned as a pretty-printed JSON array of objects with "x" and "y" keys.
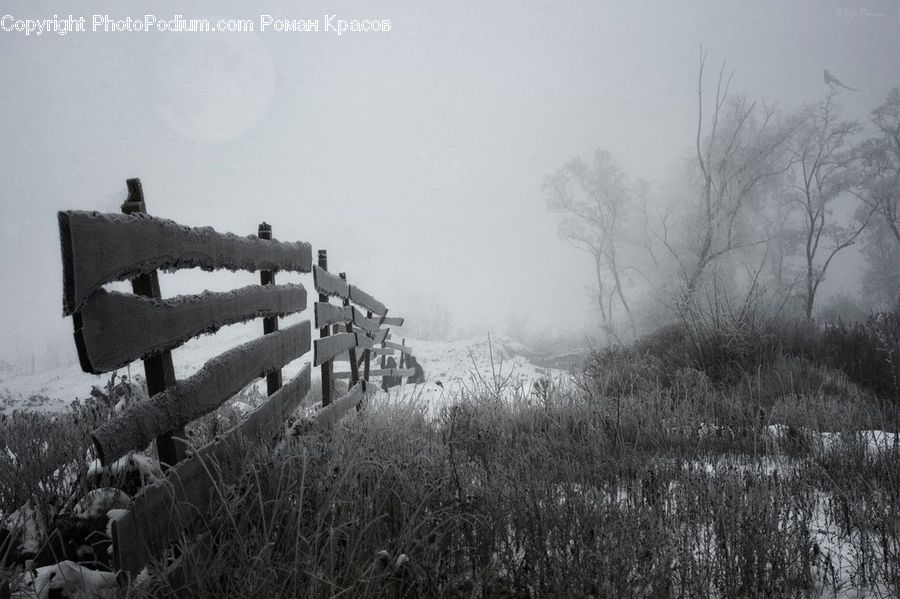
[
  {"x": 565, "y": 496},
  {"x": 642, "y": 480}
]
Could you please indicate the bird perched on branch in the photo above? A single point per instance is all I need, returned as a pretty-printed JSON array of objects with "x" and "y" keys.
[{"x": 834, "y": 81}]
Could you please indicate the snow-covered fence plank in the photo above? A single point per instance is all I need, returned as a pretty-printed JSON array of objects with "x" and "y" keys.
[
  {"x": 382, "y": 351},
  {"x": 328, "y": 284},
  {"x": 160, "y": 512},
  {"x": 393, "y": 321},
  {"x": 329, "y": 415},
  {"x": 219, "y": 379},
  {"x": 378, "y": 336},
  {"x": 364, "y": 341},
  {"x": 329, "y": 314},
  {"x": 365, "y": 323},
  {"x": 328, "y": 347},
  {"x": 114, "y": 329},
  {"x": 102, "y": 248},
  {"x": 361, "y": 298}
]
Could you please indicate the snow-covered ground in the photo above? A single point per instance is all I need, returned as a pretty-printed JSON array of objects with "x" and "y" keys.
[
  {"x": 451, "y": 367},
  {"x": 454, "y": 369}
]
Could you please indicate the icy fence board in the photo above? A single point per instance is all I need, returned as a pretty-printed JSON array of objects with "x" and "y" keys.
[
  {"x": 328, "y": 284},
  {"x": 101, "y": 248},
  {"x": 327, "y": 348},
  {"x": 364, "y": 341},
  {"x": 114, "y": 329},
  {"x": 394, "y": 321},
  {"x": 361, "y": 298},
  {"x": 159, "y": 513},
  {"x": 220, "y": 378},
  {"x": 364, "y": 322},
  {"x": 377, "y": 336},
  {"x": 329, "y": 415},
  {"x": 329, "y": 314}
]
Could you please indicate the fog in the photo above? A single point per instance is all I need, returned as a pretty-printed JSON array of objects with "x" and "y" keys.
[{"x": 415, "y": 156}]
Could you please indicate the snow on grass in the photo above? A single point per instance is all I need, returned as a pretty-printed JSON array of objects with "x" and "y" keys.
[
  {"x": 873, "y": 441},
  {"x": 456, "y": 369},
  {"x": 459, "y": 366},
  {"x": 28, "y": 524}
]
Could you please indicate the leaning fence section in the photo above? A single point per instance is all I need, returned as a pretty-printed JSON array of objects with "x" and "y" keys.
[
  {"x": 345, "y": 331},
  {"x": 112, "y": 329}
]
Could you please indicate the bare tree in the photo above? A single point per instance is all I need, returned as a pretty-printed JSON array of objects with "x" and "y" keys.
[
  {"x": 739, "y": 151},
  {"x": 593, "y": 200},
  {"x": 784, "y": 238},
  {"x": 880, "y": 191},
  {"x": 881, "y": 278},
  {"x": 824, "y": 168}
]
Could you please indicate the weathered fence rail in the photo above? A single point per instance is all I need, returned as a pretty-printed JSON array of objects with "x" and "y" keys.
[{"x": 112, "y": 329}]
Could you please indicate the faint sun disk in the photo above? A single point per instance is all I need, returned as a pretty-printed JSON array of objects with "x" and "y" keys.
[{"x": 213, "y": 87}]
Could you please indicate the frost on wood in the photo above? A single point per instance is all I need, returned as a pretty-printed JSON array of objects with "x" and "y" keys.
[
  {"x": 328, "y": 284},
  {"x": 377, "y": 336},
  {"x": 365, "y": 341},
  {"x": 327, "y": 348},
  {"x": 361, "y": 298},
  {"x": 160, "y": 512},
  {"x": 364, "y": 322},
  {"x": 220, "y": 378},
  {"x": 330, "y": 414},
  {"x": 101, "y": 248},
  {"x": 328, "y": 314},
  {"x": 113, "y": 329}
]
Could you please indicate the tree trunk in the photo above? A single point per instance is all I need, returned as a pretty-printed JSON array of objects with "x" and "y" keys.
[{"x": 810, "y": 289}]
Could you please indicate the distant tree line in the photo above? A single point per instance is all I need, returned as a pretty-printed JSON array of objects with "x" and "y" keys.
[{"x": 769, "y": 198}]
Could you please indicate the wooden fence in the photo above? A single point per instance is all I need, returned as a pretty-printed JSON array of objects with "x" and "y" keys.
[
  {"x": 360, "y": 333},
  {"x": 112, "y": 329}
]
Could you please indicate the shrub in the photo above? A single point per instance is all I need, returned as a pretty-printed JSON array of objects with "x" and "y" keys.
[{"x": 868, "y": 353}]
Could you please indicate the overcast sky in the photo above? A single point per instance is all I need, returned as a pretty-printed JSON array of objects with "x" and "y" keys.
[{"x": 415, "y": 156}]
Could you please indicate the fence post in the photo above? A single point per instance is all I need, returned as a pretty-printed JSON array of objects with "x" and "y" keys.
[
  {"x": 367, "y": 354},
  {"x": 354, "y": 367},
  {"x": 158, "y": 369},
  {"x": 323, "y": 332},
  {"x": 402, "y": 353},
  {"x": 270, "y": 323}
]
